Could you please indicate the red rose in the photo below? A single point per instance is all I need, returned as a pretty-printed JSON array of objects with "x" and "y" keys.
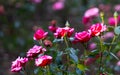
[
  {"x": 82, "y": 36},
  {"x": 43, "y": 60},
  {"x": 40, "y": 34},
  {"x": 61, "y": 32},
  {"x": 96, "y": 29}
]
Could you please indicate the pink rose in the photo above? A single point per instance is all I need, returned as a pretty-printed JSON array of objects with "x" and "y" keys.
[
  {"x": 35, "y": 50},
  {"x": 40, "y": 34},
  {"x": 92, "y": 46},
  {"x": 96, "y": 29},
  {"x": 107, "y": 36},
  {"x": 83, "y": 36},
  {"x": 2, "y": 10},
  {"x": 18, "y": 64},
  {"x": 117, "y": 7},
  {"x": 111, "y": 21},
  {"x": 58, "y": 5},
  {"x": 43, "y": 60},
  {"x": 118, "y": 63},
  {"x": 92, "y": 12},
  {"x": 61, "y": 32},
  {"x": 52, "y": 26}
]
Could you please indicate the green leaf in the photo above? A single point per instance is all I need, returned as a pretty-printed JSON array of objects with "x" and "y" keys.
[
  {"x": 57, "y": 40},
  {"x": 114, "y": 56},
  {"x": 36, "y": 70},
  {"x": 109, "y": 44},
  {"x": 93, "y": 53},
  {"x": 117, "y": 30},
  {"x": 81, "y": 67},
  {"x": 78, "y": 71},
  {"x": 74, "y": 57}
]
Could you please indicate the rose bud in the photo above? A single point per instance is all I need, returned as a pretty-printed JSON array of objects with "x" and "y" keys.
[
  {"x": 52, "y": 26},
  {"x": 48, "y": 43}
]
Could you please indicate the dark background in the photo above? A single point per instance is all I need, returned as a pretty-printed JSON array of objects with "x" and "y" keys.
[{"x": 18, "y": 19}]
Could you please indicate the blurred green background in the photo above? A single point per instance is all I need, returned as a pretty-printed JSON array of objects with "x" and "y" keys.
[{"x": 19, "y": 18}]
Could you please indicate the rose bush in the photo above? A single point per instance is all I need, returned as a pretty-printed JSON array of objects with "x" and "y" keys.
[{"x": 62, "y": 58}]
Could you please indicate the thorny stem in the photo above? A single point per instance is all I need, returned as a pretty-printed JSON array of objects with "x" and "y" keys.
[
  {"x": 48, "y": 68},
  {"x": 68, "y": 58},
  {"x": 66, "y": 42},
  {"x": 85, "y": 47},
  {"x": 101, "y": 56},
  {"x": 112, "y": 43},
  {"x": 41, "y": 43},
  {"x": 114, "y": 35}
]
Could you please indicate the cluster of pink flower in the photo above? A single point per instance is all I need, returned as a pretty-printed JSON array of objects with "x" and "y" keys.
[
  {"x": 83, "y": 36},
  {"x": 92, "y": 13},
  {"x": 35, "y": 51}
]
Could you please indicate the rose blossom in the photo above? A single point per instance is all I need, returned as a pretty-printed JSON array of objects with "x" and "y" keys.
[
  {"x": 58, "y": 5},
  {"x": 117, "y": 7},
  {"x": 92, "y": 46},
  {"x": 40, "y": 34},
  {"x": 2, "y": 10},
  {"x": 91, "y": 12},
  {"x": 53, "y": 27},
  {"x": 107, "y": 36},
  {"x": 35, "y": 50},
  {"x": 18, "y": 64},
  {"x": 47, "y": 43},
  {"x": 43, "y": 60},
  {"x": 61, "y": 32},
  {"x": 118, "y": 63},
  {"x": 96, "y": 29},
  {"x": 82, "y": 36},
  {"x": 111, "y": 21}
]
